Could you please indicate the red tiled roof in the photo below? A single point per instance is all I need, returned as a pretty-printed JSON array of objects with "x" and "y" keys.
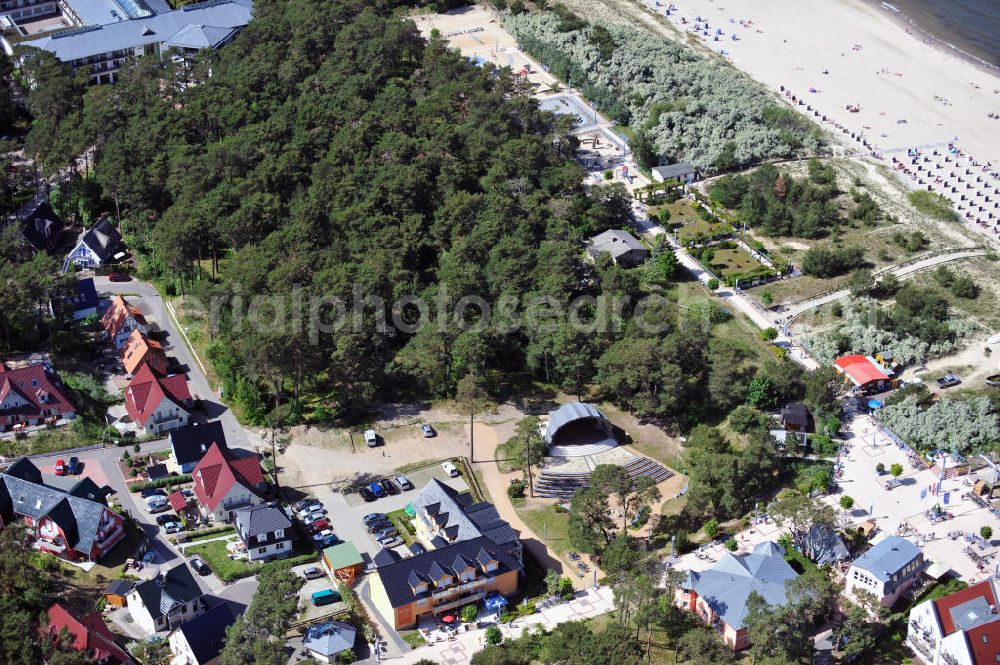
[
  {"x": 146, "y": 390},
  {"x": 944, "y": 605},
  {"x": 37, "y": 387},
  {"x": 177, "y": 501},
  {"x": 984, "y": 643},
  {"x": 117, "y": 313},
  {"x": 89, "y": 633},
  {"x": 219, "y": 470},
  {"x": 860, "y": 369}
]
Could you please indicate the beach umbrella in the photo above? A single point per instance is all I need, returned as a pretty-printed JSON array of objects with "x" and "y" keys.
[{"x": 448, "y": 618}]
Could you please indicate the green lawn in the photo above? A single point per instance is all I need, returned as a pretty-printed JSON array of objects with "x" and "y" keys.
[
  {"x": 728, "y": 262},
  {"x": 551, "y": 526},
  {"x": 400, "y": 520},
  {"x": 413, "y": 638},
  {"x": 687, "y": 222},
  {"x": 216, "y": 556}
]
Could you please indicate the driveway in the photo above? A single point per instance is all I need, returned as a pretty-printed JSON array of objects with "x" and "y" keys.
[{"x": 146, "y": 297}]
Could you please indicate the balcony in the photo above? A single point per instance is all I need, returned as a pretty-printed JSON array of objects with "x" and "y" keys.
[
  {"x": 948, "y": 658},
  {"x": 464, "y": 600},
  {"x": 921, "y": 648},
  {"x": 460, "y": 588}
]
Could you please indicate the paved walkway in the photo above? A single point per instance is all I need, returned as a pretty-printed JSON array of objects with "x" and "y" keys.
[
  {"x": 589, "y": 603},
  {"x": 496, "y": 484}
]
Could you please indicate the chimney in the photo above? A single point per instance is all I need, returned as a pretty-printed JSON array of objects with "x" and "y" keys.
[{"x": 161, "y": 579}]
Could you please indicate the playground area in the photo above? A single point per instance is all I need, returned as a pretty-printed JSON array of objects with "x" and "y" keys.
[
  {"x": 586, "y": 117},
  {"x": 481, "y": 38}
]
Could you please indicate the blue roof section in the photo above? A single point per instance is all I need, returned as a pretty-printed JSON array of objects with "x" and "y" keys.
[
  {"x": 200, "y": 37},
  {"x": 217, "y": 16},
  {"x": 888, "y": 557},
  {"x": 100, "y": 12},
  {"x": 86, "y": 295},
  {"x": 727, "y": 586}
]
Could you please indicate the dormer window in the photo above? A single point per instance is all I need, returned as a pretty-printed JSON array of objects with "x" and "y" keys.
[
  {"x": 444, "y": 581},
  {"x": 491, "y": 566},
  {"x": 419, "y": 588}
]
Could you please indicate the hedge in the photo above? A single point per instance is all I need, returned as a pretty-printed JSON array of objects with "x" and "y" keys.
[{"x": 161, "y": 482}]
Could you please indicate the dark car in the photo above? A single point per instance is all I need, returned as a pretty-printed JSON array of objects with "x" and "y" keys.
[
  {"x": 374, "y": 517},
  {"x": 948, "y": 380},
  {"x": 299, "y": 506},
  {"x": 386, "y": 533},
  {"x": 367, "y": 495},
  {"x": 200, "y": 566},
  {"x": 73, "y": 467},
  {"x": 376, "y": 489},
  {"x": 375, "y": 527},
  {"x": 326, "y": 542},
  {"x": 152, "y": 492},
  {"x": 388, "y": 486},
  {"x": 166, "y": 517},
  {"x": 119, "y": 277}
]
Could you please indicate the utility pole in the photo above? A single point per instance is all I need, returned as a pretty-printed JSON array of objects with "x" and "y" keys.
[{"x": 472, "y": 418}]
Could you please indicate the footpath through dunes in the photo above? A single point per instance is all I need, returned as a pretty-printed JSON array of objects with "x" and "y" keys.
[{"x": 918, "y": 264}]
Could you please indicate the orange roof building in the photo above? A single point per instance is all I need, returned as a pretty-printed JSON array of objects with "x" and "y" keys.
[
  {"x": 864, "y": 372},
  {"x": 139, "y": 349},
  {"x": 120, "y": 319}
]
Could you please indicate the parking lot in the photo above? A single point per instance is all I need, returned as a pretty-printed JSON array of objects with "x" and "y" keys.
[
  {"x": 345, "y": 511},
  {"x": 903, "y": 510}
]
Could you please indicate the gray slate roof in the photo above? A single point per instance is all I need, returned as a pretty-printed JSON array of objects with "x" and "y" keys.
[
  {"x": 398, "y": 577},
  {"x": 568, "y": 413},
  {"x": 678, "y": 170},
  {"x": 727, "y": 586},
  {"x": 99, "y": 39},
  {"x": 78, "y": 516},
  {"x": 459, "y": 518},
  {"x": 887, "y": 557},
  {"x": 190, "y": 443},
  {"x": 167, "y": 590},
  {"x": 200, "y": 37},
  {"x": 206, "y": 635},
  {"x": 615, "y": 243},
  {"x": 261, "y": 520},
  {"x": 330, "y": 638},
  {"x": 103, "y": 239}
]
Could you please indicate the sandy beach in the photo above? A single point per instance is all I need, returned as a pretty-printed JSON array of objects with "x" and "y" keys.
[{"x": 836, "y": 54}]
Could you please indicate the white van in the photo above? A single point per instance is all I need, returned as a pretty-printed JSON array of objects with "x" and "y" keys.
[
  {"x": 450, "y": 469},
  {"x": 371, "y": 438}
]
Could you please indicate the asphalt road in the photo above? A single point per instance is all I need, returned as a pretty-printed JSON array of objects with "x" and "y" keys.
[{"x": 146, "y": 298}]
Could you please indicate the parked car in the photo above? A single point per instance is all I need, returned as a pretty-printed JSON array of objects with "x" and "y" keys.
[
  {"x": 388, "y": 486},
  {"x": 326, "y": 542},
  {"x": 312, "y": 511},
  {"x": 200, "y": 566},
  {"x": 375, "y": 527},
  {"x": 172, "y": 527},
  {"x": 312, "y": 573},
  {"x": 323, "y": 535},
  {"x": 374, "y": 517},
  {"x": 403, "y": 482},
  {"x": 371, "y": 438},
  {"x": 119, "y": 277},
  {"x": 385, "y": 533},
  {"x": 165, "y": 519},
  {"x": 313, "y": 519},
  {"x": 376, "y": 489},
  {"x": 187, "y": 493},
  {"x": 325, "y": 597},
  {"x": 450, "y": 469},
  {"x": 428, "y": 431},
  {"x": 154, "y": 506},
  {"x": 318, "y": 525},
  {"x": 153, "y": 492},
  {"x": 367, "y": 495},
  {"x": 73, "y": 467},
  {"x": 306, "y": 503},
  {"x": 948, "y": 380},
  {"x": 60, "y": 469},
  {"x": 390, "y": 541}
]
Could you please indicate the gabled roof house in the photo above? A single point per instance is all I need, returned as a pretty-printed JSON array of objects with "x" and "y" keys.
[
  {"x": 719, "y": 595},
  {"x": 120, "y": 319},
  {"x": 265, "y": 530},
  {"x": 885, "y": 570},
  {"x": 200, "y": 641},
  {"x": 32, "y": 395},
  {"x": 157, "y": 403},
  {"x": 96, "y": 246},
  {"x": 190, "y": 443},
  {"x": 74, "y": 524},
  {"x": 166, "y": 601},
  {"x": 227, "y": 480},
  {"x": 139, "y": 350},
  {"x": 87, "y": 633},
  {"x": 41, "y": 227}
]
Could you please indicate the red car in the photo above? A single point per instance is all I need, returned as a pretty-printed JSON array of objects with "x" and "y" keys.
[
  {"x": 318, "y": 526},
  {"x": 60, "y": 468},
  {"x": 119, "y": 277}
]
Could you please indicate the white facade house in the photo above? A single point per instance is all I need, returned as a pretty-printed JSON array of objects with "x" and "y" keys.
[
  {"x": 265, "y": 530},
  {"x": 201, "y": 640},
  {"x": 962, "y": 628},
  {"x": 885, "y": 570},
  {"x": 97, "y": 246},
  {"x": 166, "y": 601}
]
